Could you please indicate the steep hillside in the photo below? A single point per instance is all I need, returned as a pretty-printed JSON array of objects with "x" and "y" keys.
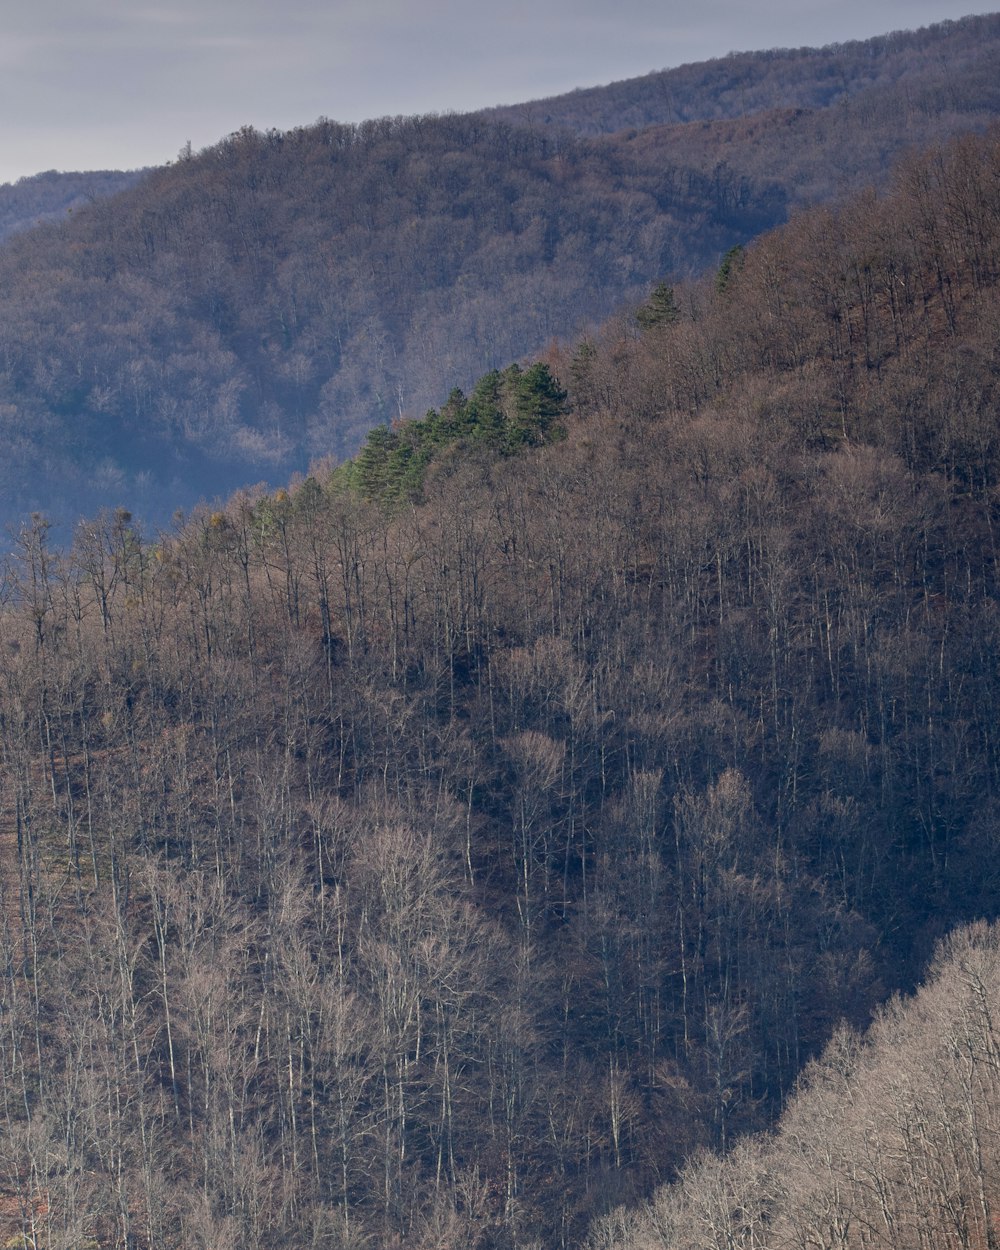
[
  {"x": 272, "y": 298},
  {"x": 442, "y": 850},
  {"x": 892, "y": 1139},
  {"x": 276, "y": 296}
]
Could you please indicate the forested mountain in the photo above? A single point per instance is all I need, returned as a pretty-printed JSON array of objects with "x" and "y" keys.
[
  {"x": 955, "y": 60},
  {"x": 275, "y": 297},
  {"x": 52, "y": 196},
  {"x": 441, "y": 850},
  {"x": 271, "y": 299}
]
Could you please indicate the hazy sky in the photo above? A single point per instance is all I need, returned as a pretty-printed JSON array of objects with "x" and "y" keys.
[{"x": 90, "y": 84}]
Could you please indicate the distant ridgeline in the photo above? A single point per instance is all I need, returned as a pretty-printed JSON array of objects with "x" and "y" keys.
[
  {"x": 248, "y": 308},
  {"x": 507, "y": 412}
]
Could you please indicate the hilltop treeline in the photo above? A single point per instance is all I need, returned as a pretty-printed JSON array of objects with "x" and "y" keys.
[
  {"x": 947, "y": 59},
  {"x": 445, "y": 862},
  {"x": 271, "y": 299}
]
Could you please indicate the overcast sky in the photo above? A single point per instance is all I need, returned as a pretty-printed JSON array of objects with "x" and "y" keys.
[{"x": 94, "y": 84}]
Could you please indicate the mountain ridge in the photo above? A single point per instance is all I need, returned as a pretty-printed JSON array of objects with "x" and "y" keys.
[
  {"x": 269, "y": 300},
  {"x": 725, "y": 87}
]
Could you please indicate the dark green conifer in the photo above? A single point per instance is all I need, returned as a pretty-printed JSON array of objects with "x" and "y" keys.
[{"x": 660, "y": 309}]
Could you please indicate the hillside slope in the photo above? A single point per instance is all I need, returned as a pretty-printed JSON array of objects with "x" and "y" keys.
[
  {"x": 443, "y": 858},
  {"x": 892, "y": 1139},
  {"x": 272, "y": 298},
  {"x": 953, "y": 58},
  {"x": 54, "y": 196},
  {"x": 276, "y": 296}
]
